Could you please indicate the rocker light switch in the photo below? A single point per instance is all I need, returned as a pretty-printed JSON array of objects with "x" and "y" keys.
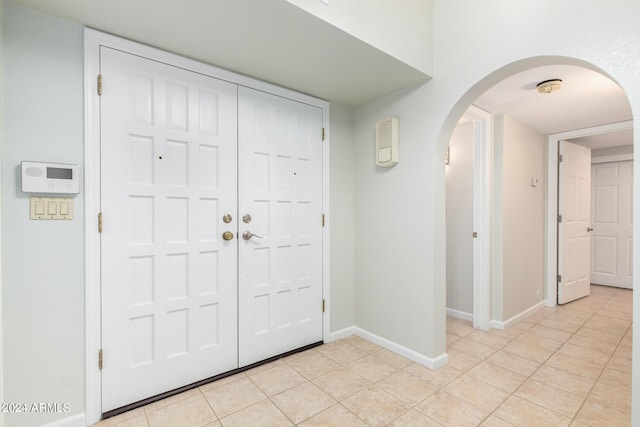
[{"x": 51, "y": 208}]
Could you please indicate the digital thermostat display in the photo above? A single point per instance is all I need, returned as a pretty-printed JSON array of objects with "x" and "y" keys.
[
  {"x": 59, "y": 173},
  {"x": 49, "y": 178}
]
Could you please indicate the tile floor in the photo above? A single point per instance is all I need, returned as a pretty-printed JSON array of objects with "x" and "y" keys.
[{"x": 569, "y": 365}]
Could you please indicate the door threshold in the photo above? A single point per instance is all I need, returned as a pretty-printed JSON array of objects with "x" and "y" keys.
[{"x": 200, "y": 383}]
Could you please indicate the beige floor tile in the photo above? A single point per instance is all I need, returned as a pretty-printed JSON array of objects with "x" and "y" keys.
[
  {"x": 596, "y": 415},
  {"x": 264, "y": 413},
  {"x": 514, "y": 363},
  {"x": 414, "y": 418},
  {"x": 527, "y": 350},
  {"x": 337, "y": 415},
  {"x": 436, "y": 377},
  {"x": 303, "y": 401},
  {"x": 277, "y": 379},
  {"x": 547, "y": 344},
  {"x": 406, "y": 387},
  {"x": 616, "y": 378},
  {"x": 493, "y": 421},
  {"x": 557, "y": 400},
  {"x": 190, "y": 412},
  {"x": 473, "y": 348},
  {"x": 569, "y": 325},
  {"x": 564, "y": 380},
  {"x": 451, "y": 338},
  {"x": 172, "y": 399},
  {"x": 461, "y": 361},
  {"x": 234, "y": 396},
  {"x": 450, "y": 410},
  {"x": 521, "y": 412},
  {"x": 620, "y": 364},
  {"x": 133, "y": 418},
  {"x": 342, "y": 352},
  {"x": 394, "y": 359},
  {"x": 222, "y": 381},
  {"x": 624, "y": 352},
  {"x": 497, "y": 376},
  {"x": 372, "y": 368},
  {"x": 608, "y": 324},
  {"x": 341, "y": 383},
  {"x": 613, "y": 397},
  {"x": 510, "y": 333},
  {"x": 593, "y": 344},
  {"x": 585, "y": 354},
  {"x": 599, "y": 335},
  {"x": 554, "y": 334},
  {"x": 363, "y": 344},
  {"x": 263, "y": 367},
  {"x": 476, "y": 392},
  {"x": 311, "y": 363},
  {"x": 375, "y": 406},
  {"x": 493, "y": 341},
  {"x": 574, "y": 366},
  {"x": 459, "y": 328}
]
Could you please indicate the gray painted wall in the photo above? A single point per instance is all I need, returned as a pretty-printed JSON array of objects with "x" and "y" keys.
[
  {"x": 460, "y": 220},
  {"x": 43, "y": 261}
]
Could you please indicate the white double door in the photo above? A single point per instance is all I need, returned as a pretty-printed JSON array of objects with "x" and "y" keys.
[{"x": 188, "y": 164}]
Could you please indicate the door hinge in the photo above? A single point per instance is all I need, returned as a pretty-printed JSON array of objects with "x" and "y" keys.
[
  {"x": 559, "y": 158},
  {"x": 323, "y": 134},
  {"x": 323, "y": 220},
  {"x": 100, "y": 359},
  {"x": 559, "y": 218},
  {"x": 559, "y": 278},
  {"x": 475, "y": 234},
  {"x": 99, "y": 222},
  {"x": 323, "y": 305},
  {"x": 99, "y": 84}
]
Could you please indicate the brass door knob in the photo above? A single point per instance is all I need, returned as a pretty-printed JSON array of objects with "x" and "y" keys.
[{"x": 227, "y": 235}]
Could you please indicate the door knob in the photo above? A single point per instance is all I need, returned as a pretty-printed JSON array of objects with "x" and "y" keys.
[
  {"x": 589, "y": 229},
  {"x": 248, "y": 235},
  {"x": 227, "y": 235}
]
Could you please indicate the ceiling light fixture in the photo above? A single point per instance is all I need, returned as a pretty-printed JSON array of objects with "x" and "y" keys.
[{"x": 549, "y": 86}]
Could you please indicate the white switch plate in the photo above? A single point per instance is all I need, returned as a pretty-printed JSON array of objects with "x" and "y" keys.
[{"x": 51, "y": 208}]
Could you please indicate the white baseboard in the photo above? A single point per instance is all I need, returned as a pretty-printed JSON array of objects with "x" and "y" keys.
[
  {"x": 518, "y": 317},
  {"x": 342, "y": 333},
  {"x": 459, "y": 314},
  {"x": 429, "y": 362},
  {"x": 77, "y": 420}
]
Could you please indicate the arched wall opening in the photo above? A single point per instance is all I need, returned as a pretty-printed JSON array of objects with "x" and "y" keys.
[{"x": 468, "y": 98}]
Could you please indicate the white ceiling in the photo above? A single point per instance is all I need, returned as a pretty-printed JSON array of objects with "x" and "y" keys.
[
  {"x": 271, "y": 40},
  {"x": 586, "y": 99}
]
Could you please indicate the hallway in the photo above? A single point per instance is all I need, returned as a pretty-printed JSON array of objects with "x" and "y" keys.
[{"x": 567, "y": 365}]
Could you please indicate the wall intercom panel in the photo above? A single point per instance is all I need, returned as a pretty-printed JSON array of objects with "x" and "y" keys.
[
  {"x": 387, "y": 142},
  {"x": 40, "y": 177}
]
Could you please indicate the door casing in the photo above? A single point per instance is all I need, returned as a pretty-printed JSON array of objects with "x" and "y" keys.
[
  {"x": 92, "y": 41},
  {"x": 551, "y": 266}
]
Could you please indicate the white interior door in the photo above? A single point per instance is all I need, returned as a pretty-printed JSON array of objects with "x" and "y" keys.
[
  {"x": 168, "y": 175},
  {"x": 280, "y": 200},
  {"x": 612, "y": 213},
  {"x": 574, "y": 206}
]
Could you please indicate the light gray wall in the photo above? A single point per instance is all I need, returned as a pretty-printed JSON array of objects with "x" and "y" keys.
[
  {"x": 395, "y": 297},
  {"x": 611, "y": 151},
  {"x": 460, "y": 220},
  {"x": 43, "y": 265},
  {"x": 342, "y": 189},
  {"x": 523, "y": 152}
]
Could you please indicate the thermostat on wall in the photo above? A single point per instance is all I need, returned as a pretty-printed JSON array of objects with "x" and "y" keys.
[{"x": 50, "y": 178}]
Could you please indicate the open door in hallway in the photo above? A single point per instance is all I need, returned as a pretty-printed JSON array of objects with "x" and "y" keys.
[{"x": 574, "y": 222}]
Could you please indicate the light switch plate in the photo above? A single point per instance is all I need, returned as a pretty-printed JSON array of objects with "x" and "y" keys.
[{"x": 51, "y": 207}]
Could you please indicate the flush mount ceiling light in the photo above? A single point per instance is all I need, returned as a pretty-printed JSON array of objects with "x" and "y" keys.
[{"x": 549, "y": 86}]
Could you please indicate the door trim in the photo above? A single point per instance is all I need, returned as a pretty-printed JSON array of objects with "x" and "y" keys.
[
  {"x": 92, "y": 41},
  {"x": 551, "y": 260},
  {"x": 482, "y": 153}
]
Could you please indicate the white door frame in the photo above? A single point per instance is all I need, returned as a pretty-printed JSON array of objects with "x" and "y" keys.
[
  {"x": 551, "y": 261},
  {"x": 481, "y": 216},
  {"x": 92, "y": 42}
]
